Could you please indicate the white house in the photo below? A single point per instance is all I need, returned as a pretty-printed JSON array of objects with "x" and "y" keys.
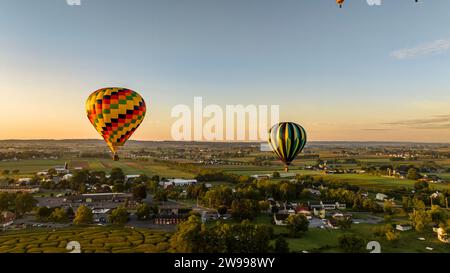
[
  {"x": 67, "y": 176},
  {"x": 177, "y": 182},
  {"x": 381, "y": 196},
  {"x": 403, "y": 227}
]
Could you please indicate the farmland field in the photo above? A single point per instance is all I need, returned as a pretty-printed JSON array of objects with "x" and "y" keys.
[
  {"x": 378, "y": 182},
  {"x": 28, "y": 167},
  {"x": 91, "y": 239}
]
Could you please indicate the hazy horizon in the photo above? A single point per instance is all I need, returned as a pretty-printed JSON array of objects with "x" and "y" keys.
[{"x": 360, "y": 73}]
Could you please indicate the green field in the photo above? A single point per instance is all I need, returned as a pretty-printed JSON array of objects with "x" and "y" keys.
[
  {"x": 91, "y": 239},
  {"x": 321, "y": 240},
  {"x": 150, "y": 168},
  {"x": 378, "y": 182}
]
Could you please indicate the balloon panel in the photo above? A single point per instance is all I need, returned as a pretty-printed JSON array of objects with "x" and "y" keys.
[
  {"x": 287, "y": 139},
  {"x": 116, "y": 113}
]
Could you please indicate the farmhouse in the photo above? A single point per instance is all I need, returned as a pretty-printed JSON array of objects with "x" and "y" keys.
[
  {"x": 381, "y": 196},
  {"x": 62, "y": 169},
  {"x": 101, "y": 215},
  {"x": 100, "y": 197},
  {"x": 261, "y": 176},
  {"x": 7, "y": 218},
  {"x": 19, "y": 189},
  {"x": 177, "y": 182},
  {"x": 403, "y": 227},
  {"x": 280, "y": 219}
]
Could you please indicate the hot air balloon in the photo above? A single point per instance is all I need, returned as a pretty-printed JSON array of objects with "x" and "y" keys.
[
  {"x": 287, "y": 140},
  {"x": 116, "y": 113},
  {"x": 340, "y": 2}
]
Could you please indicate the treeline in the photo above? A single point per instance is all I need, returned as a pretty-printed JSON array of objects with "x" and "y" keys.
[
  {"x": 19, "y": 203},
  {"x": 194, "y": 237}
]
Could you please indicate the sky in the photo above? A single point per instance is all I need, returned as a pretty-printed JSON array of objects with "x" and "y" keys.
[{"x": 360, "y": 73}]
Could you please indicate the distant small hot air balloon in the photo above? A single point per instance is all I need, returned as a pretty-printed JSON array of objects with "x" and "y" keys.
[
  {"x": 116, "y": 113},
  {"x": 287, "y": 140},
  {"x": 340, "y": 2}
]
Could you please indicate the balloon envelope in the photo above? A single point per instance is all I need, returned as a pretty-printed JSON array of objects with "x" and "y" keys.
[
  {"x": 116, "y": 113},
  {"x": 287, "y": 140}
]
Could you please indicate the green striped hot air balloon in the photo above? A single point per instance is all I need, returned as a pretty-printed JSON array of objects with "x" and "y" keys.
[{"x": 287, "y": 140}]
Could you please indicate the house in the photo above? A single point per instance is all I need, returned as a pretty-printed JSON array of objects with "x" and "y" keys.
[
  {"x": 101, "y": 215},
  {"x": 442, "y": 235},
  {"x": 62, "y": 169},
  {"x": 20, "y": 189},
  {"x": 403, "y": 227},
  {"x": 340, "y": 206},
  {"x": 329, "y": 205},
  {"x": 176, "y": 182},
  {"x": 100, "y": 197},
  {"x": 314, "y": 192},
  {"x": 280, "y": 219},
  {"x": 24, "y": 181},
  {"x": 67, "y": 177},
  {"x": 6, "y": 218},
  {"x": 169, "y": 219},
  {"x": 261, "y": 176},
  {"x": 209, "y": 215},
  {"x": 381, "y": 196},
  {"x": 305, "y": 211},
  {"x": 42, "y": 173},
  {"x": 321, "y": 213},
  {"x": 130, "y": 177}
]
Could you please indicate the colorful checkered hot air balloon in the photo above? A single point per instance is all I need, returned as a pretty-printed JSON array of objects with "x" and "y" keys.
[
  {"x": 287, "y": 140},
  {"x": 116, "y": 113}
]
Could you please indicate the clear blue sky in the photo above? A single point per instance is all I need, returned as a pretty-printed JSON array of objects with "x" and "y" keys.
[{"x": 337, "y": 71}]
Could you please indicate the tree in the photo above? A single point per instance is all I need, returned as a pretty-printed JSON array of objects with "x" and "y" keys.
[
  {"x": 345, "y": 223},
  {"x": 5, "y": 172},
  {"x": 421, "y": 185},
  {"x": 392, "y": 236},
  {"x": 15, "y": 171},
  {"x": 389, "y": 207},
  {"x": 70, "y": 213},
  {"x": 83, "y": 216},
  {"x": 140, "y": 192},
  {"x": 264, "y": 205},
  {"x": 438, "y": 215},
  {"x": 188, "y": 237},
  {"x": 297, "y": 224},
  {"x": 244, "y": 209},
  {"x": 281, "y": 245},
  {"x": 351, "y": 243},
  {"x": 52, "y": 172},
  {"x": 24, "y": 202},
  {"x": 412, "y": 174},
  {"x": 222, "y": 210},
  {"x": 160, "y": 195},
  {"x": 6, "y": 201},
  {"x": 420, "y": 219},
  {"x": 117, "y": 175},
  {"x": 118, "y": 187},
  {"x": 43, "y": 213},
  {"x": 143, "y": 212},
  {"x": 276, "y": 175},
  {"x": 59, "y": 215},
  {"x": 119, "y": 216}
]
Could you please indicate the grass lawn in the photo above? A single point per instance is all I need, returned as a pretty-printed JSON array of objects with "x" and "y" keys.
[
  {"x": 378, "y": 182},
  {"x": 320, "y": 240}
]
